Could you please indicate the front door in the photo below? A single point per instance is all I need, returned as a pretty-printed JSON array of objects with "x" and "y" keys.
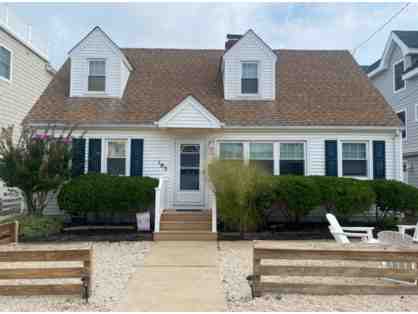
[{"x": 189, "y": 174}]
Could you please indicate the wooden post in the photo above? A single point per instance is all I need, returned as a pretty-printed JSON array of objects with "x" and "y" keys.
[
  {"x": 15, "y": 232},
  {"x": 256, "y": 274},
  {"x": 87, "y": 265}
]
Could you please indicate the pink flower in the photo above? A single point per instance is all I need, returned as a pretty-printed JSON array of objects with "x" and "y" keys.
[
  {"x": 67, "y": 140},
  {"x": 45, "y": 136}
]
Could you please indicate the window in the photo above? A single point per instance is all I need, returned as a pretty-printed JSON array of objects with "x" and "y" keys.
[
  {"x": 5, "y": 63},
  {"x": 416, "y": 112},
  {"x": 189, "y": 167},
  {"x": 355, "y": 159},
  {"x": 97, "y": 76},
  {"x": 402, "y": 117},
  {"x": 249, "y": 79},
  {"x": 261, "y": 156},
  {"x": 231, "y": 151},
  {"x": 116, "y": 157},
  {"x": 292, "y": 159},
  {"x": 398, "y": 69}
]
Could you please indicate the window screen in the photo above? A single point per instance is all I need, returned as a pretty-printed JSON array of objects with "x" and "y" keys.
[
  {"x": 249, "y": 80},
  {"x": 354, "y": 159}
]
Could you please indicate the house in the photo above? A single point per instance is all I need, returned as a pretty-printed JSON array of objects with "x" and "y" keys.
[
  {"x": 24, "y": 74},
  {"x": 24, "y": 69},
  {"x": 395, "y": 76},
  {"x": 166, "y": 113}
]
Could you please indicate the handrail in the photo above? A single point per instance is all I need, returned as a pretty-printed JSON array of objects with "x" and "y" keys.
[
  {"x": 213, "y": 209},
  {"x": 161, "y": 201}
]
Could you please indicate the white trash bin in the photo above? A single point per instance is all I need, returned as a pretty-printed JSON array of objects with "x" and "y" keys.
[{"x": 143, "y": 221}]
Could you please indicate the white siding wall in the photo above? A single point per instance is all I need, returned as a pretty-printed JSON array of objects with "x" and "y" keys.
[
  {"x": 95, "y": 46},
  {"x": 124, "y": 77},
  {"x": 159, "y": 146},
  {"x": 249, "y": 48},
  {"x": 29, "y": 79}
]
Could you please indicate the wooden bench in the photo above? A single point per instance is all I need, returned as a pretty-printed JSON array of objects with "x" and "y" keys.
[
  {"x": 83, "y": 272},
  {"x": 274, "y": 250},
  {"x": 9, "y": 233}
]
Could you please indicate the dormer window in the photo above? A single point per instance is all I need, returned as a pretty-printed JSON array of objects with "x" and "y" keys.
[
  {"x": 249, "y": 78},
  {"x": 97, "y": 75}
]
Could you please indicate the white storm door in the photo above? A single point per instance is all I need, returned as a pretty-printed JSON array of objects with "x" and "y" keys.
[{"x": 189, "y": 174}]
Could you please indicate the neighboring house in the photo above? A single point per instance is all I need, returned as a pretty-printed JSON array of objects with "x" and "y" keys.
[
  {"x": 24, "y": 70},
  {"x": 395, "y": 75},
  {"x": 166, "y": 113},
  {"x": 24, "y": 75}
]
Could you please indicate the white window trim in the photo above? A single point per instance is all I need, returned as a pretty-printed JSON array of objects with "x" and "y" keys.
[
  {"x": 248, "y": 95},
  {"x": 416, "y": 112},
  {"x": 276, "y": 151},
  {"x": 395, "y": 91},
  {"x": 11, "y": 65},
  {"x": 88, "y": 74},
  {"x": 105, "y": 149},
  {"x": 404, "y": 139},
  {"x": 369, "y": 161}
]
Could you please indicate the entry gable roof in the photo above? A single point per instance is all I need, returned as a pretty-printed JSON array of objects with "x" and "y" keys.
[{"x": 189, "y": 113}]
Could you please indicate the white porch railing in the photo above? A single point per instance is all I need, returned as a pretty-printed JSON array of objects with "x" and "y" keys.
[
  {"x": 212, "y": 203},
  {"x": 161, "y": 201}
]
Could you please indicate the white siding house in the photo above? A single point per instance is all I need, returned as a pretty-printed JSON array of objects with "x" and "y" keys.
[{"x": 183, "y": 108}]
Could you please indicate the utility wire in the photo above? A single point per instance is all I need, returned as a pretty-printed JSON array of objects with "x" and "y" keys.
[{"x": 381, "y": 27}]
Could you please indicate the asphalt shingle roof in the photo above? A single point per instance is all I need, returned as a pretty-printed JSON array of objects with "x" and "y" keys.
[{"x": 313, "y": 88}]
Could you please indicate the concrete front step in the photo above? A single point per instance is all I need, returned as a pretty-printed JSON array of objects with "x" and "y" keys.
[
  {"x": 185, "y": 225},
  {"x": 180, "y": 235}
]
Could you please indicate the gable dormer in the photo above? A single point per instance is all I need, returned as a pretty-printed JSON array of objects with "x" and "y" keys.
[
  {"x": 249, "y": 68},
  {"x": 98, "y": 67}
]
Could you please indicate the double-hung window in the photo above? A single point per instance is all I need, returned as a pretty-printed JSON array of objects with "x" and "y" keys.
[
  {"x": 261, "y": 156},
  {"x": 97, "y": 75},
  {"x": 249, "y": 78},
  {"x": 5, "y": 63},
  {"x": 402, "y": 117},
  {"x": 354, "y": 159},
  {"x": 292, "y": 159},
  {"x": 231, "y": 151},
  {"x": 117, "y": 157},
  {"x": 398, "y": 82}
]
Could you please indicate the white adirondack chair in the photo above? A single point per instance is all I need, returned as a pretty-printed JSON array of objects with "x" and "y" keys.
[
  {"x": 342, "y": 234},
  {"x": 403, "y": 228}
]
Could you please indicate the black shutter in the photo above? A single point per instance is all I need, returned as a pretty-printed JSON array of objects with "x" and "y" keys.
[
  {"x": 137, "y": 157},
  {"x": 95, "y": 155},
  {"x": 78, "y": 152},
  {"x": 379, "y": 160},
  {"x": 331, "y": 158}
]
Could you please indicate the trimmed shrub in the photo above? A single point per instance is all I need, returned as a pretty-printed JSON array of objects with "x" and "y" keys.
[
  {"x": 295, "y": 196},
  {"x": 394, "y": 197},
  {"x": 102, "y": 193},
  {"x": 38, "y": 227},
  {"x": 344, "y": 196}
]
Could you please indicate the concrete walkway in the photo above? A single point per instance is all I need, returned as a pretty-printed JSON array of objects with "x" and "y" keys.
[{"x": 177, "y": 276}]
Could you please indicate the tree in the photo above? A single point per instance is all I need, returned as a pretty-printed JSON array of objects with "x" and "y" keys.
[{"x": 36, "y": 164}]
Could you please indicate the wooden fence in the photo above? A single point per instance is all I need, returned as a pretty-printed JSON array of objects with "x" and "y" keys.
[
  {"x": 83, "y": 272},
  {"x": 269, "y": 251},
  {"x": 9, "y": 233}
]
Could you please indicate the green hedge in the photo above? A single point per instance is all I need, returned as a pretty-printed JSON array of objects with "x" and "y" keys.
[
  {"x": 343, "y": 196},
  {"x": 37, "y": 227},
  {"x": 105, "y": 193},
  {"x": 294, "y": 196}
]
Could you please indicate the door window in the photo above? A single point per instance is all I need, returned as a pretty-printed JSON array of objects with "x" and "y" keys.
[{"x": 189, "y": 167}]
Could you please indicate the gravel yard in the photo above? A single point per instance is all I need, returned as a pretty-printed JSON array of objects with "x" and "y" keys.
[
  {"x": 114, "y": 262},
  {"x": 236, "y": 264}
]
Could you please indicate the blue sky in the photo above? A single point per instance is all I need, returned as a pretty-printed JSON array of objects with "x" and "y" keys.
[{"x": 204, "y": 25}]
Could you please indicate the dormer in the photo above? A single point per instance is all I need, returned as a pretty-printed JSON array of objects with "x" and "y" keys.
[
  {"x": 98, "y": 67},
  {"x": 248, "y": 68}
]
